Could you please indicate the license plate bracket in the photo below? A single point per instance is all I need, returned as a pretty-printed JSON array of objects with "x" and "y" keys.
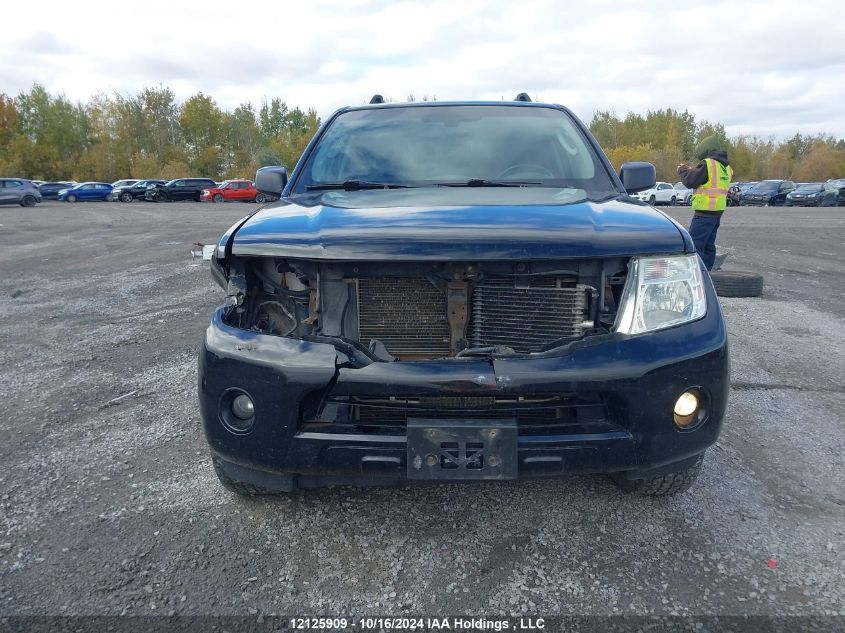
[{"x": 462, "y": 449}]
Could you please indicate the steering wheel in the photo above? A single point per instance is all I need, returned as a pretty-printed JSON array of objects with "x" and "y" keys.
[{"x": 532, "y": 169}]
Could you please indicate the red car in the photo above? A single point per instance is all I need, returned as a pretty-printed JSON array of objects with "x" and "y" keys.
[{"x": 229, "y": 190}]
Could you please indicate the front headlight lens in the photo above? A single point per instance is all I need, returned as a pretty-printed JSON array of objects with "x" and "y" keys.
[{"x": 661, "y": 292}]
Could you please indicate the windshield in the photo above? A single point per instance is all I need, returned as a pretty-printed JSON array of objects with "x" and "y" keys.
[
  {"x": 437, "y": 145},
  {"x": 770, "y": 185},
  {"x": 810, "y": 188}
]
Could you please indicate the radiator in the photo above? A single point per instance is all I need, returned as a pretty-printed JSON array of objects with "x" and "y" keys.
[{"x": 408, "y": 314}]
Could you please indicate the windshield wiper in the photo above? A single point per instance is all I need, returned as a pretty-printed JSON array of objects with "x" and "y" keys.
[
  {"x": 355, "y": 185},
  {"x": 604, "y": 197},
  {"x": 481, "y": 182}
]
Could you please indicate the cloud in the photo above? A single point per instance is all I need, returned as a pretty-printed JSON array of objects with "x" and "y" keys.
[
  {"x": 762, "y": 68},
  {"x": 44, "y": 43}
]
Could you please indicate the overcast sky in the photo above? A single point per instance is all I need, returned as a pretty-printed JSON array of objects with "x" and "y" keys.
[{"x": 764, "y": 68}]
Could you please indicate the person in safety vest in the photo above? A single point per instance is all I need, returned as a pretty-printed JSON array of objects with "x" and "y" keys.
[{"x": 710, "y": 179}]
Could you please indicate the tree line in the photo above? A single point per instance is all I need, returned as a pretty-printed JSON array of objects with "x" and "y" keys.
[
  {"x": 151, "y": 135},
  {"x": 668, "y": 137},
  {"x": 148, "y": 135}
]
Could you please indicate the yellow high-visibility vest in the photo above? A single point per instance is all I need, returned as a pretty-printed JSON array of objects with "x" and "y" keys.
[{"x": 713, "y": 194}]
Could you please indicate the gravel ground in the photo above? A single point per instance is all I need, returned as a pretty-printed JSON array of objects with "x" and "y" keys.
[{"x": 111, "y": 506}]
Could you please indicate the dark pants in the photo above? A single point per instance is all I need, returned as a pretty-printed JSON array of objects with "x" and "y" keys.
[{"x": 702, "y": 230}]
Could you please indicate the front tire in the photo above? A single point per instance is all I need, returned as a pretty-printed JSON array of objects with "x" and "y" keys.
[
  {"x": 71, "y": 198},
  {"x": 28, "y": 201},
  {"x": 663, "y": 486},
  {"x": 259, "y": 198},
  {"x": 126, "y": 197},
  {"x": 652, "y": 200},
  {"x": 673, "y": 201},
  {"x": 217, "y": 198},
  {"x": 251, "y": 483}
]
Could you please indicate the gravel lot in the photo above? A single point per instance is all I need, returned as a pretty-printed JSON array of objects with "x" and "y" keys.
[{"x": 114, "y": 508}]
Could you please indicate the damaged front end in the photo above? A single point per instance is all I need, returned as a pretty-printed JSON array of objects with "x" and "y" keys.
[
  {"x": 395, "y": 311},
  {"x": 357, "y": 371}
]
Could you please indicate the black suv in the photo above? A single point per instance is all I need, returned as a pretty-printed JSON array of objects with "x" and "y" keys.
[
  {"x": 179, "y": 189},
  {"x": 136, "y": 191},
  {"x": 767, "y": 193},
  {"x": 460, "y": 291}
]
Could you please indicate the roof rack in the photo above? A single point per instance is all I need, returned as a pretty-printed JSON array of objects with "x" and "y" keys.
[
  {"x": 523, "y": 96},
  {"x": 377, "y": 99}
]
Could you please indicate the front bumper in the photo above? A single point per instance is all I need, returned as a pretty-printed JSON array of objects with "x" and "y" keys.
[
  {"x": 756, "y": 202},
  {"x": 639, "y": 377}
]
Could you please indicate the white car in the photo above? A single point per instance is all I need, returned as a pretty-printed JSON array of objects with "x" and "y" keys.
[
  {"x": 126, "y": 182},
  {"x": 684, "y": 193},
  {"x": 661, "y": 193}
]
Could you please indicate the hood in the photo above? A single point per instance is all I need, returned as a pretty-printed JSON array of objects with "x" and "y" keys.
[{"x": 477, "y": 224}]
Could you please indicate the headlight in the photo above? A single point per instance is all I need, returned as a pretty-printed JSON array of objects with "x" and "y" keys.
[{"x": 661, "y": 292}]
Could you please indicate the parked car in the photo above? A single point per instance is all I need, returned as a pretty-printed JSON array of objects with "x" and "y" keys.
[
  {"x": 86, "y": 191},
  {"x": 19, "y": 191},
  {"x": 661, "y": 193},
  {"x": 837, "y": 185},
  {"x": 135, "y": 191},
  {"x": 50, "y": 190},
  {"x": 179, "y": 189},
  {"x": 735, "y": 192},
  {"x": 767, "y": 193},
  {"x": 683, "y": 193},
  {"x": 459, "y": 291},
  {"x": 233, "y": 190},
  {"x": 811, "y": 195}
]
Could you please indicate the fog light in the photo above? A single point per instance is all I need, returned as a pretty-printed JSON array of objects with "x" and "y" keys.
[
  {"x": 242, "y": 407},
  {"x": 686, "y": 404},
  {"x": 686, "y": 407}
]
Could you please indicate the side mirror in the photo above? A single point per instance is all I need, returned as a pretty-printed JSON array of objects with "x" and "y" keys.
[
  {"x": 271, "y": 180},
  {"x": 637, "y": 176}
]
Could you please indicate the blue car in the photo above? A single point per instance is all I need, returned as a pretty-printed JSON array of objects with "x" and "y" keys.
[
  {"x": 460, "y": 291},
  {"x": 86, "y": 191}
]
